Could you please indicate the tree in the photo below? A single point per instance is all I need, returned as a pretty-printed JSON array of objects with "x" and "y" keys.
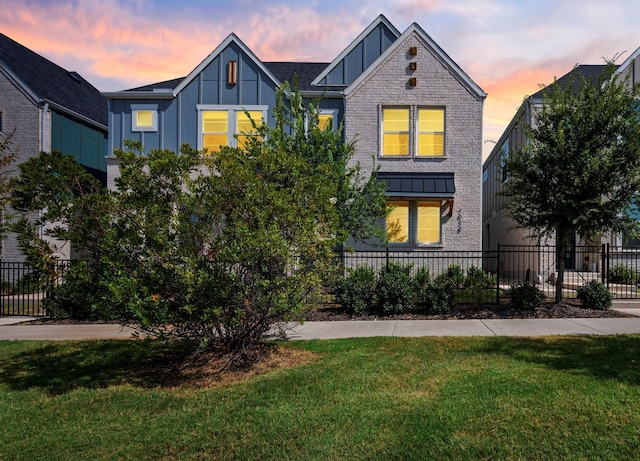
[
  {"x": 7, "y": 158},
  {"x": 221, "y": 248},
  {"x": 580, "y": 171}
]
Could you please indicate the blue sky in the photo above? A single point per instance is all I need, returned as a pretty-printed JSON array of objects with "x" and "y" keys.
[{"x": 506, "y": 47}]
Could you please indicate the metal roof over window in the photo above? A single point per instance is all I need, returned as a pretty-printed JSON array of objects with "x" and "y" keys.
[{"x": 414, "y": 184}]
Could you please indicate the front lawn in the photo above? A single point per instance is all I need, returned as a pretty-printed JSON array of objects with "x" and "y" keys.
[{"x": 370, "y": 398}]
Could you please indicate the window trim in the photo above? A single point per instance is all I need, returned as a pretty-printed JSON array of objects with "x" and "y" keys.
[
  {"x": 418, "y": 132},
  {"x": 381, "y": 153},
  {"x": 231, "y": 119},
  {"x": 153, "y": 108},
  {"x": 412, "y": 238},
  {"x": 414, "y": 133}
]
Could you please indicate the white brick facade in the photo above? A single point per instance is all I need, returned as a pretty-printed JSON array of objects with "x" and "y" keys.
[{"x": 436, "y": 86}]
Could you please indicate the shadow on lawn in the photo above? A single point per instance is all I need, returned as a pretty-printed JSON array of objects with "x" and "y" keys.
[
  {"x": 606, "y": 357},
  {"x": 61, "y": 367}
]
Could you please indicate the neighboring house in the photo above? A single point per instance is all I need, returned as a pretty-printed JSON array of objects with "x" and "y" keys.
[
  {"x": 45, "y": 108},
  {"x": 498, "y": 227},
  {"x": 408, "y": 105}
]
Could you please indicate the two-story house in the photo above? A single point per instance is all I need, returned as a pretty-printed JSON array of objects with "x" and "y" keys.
[
  {"x": 498, "y": 227},
  {"x": 409, "y": 107},
  {"x": 44, "y": 107}
]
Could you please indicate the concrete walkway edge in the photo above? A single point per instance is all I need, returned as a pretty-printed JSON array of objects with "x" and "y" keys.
[{"x": 13, "y": 328}]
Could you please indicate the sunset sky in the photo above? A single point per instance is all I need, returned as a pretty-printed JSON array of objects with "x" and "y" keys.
[{"x": 508, "y": 47}]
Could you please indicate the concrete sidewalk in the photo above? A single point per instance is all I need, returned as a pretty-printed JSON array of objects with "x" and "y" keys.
[{"x": 12, "y": 329}]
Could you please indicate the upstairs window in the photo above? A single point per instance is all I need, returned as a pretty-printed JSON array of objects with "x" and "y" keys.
[
  {"x": 244, "y": 127},
  {"x": 227, "y": 125},
  {"x": 395, "y": 132},
  {"x": 144, "y": 117},
  {"x": 413, "y": 132},
  {"x": 430, "y": 132},
  {"x": 215, "y": 130}
]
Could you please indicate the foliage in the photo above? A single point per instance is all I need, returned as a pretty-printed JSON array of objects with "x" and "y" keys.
[
  {"x": 394, "y": 288},
  {"x": 439, "y": 296},
  {"x": 621, "y": 273},
  {"x": 594, "y": 295},
  {"x": 526, "y": 296},
  {"x": 7, "y": 158},
  {"x": 356, "y": 291},
  {"x": 580, "y": 171},
  {"x": 455, "y": 274},
  {"x": 477, "y": 282},
  {"x": 217, "y": 248}
]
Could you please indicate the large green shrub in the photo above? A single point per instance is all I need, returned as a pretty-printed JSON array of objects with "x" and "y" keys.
[
  {"x": 356, "y": 291},
  {"x": 526, "y": 296},
  {"x": 394, "y": 288},
  {"x": 477, "y": 282},
  {"x": 620, "y": 273},
  {"x": 594, "y": 295}
]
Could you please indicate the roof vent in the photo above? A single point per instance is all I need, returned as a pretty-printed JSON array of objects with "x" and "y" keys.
[{"x": 74, "y": 75}]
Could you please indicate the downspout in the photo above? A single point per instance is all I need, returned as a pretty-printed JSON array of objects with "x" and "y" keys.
[
  {"x": 43, "y": 133},
  {"x": 43, "y": 141}
]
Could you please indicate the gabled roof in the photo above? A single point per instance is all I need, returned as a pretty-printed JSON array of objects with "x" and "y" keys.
[
  {"x": 435, "y": 48},
  {"x": 379, "y": 20},
  {"x": 629, "y": 61},
  {"x": 588, "y": 71},
  {"x": 232, "y": 38},
  {"x": 43, "y": 81}
]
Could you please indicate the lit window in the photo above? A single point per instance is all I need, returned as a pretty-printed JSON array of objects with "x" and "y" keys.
[
  {"x": 428, "y": 222},
  {"x": 414, "y": 222},
  {"x": 325, "y": 121},
  {"x": 431, "y": 132},
  {"x": 144, "y": 117},
  {"x": 398, "y": 222},
  {"x": 395, "y": 132},
  {"x": 215, "y": 130},
  {"x": 227, "y": 125},
  {"x": 244, "y": 127}
]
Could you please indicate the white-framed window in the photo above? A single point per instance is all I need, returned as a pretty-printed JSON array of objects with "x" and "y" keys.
[
  {"x": 227, "y": 125},
  {"x": 144, "y": 117},
  {"x": 414, "y": 222},
  {"x": 412, "y": 131},
  {"x": 328, "y": 118}
]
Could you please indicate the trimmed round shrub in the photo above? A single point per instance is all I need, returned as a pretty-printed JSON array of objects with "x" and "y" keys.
[
  {"x": 594, "y": 295},
  {"x": 395, "y": 288},
  {"x": 439, "y": 296},
  {"x": 526, "y": 296},
  {"x": 356, "y": 291}
]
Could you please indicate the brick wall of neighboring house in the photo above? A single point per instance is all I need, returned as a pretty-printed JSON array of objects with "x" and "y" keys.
[
  {"x": 436, "y": 86},
  {"x": 21, "y": 117}
]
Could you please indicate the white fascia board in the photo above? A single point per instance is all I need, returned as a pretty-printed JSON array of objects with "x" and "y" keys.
[
  {"x": 232, "y": 38},
  {"x": 155, "y": 94},
  {"x": 356, "y": 42},
  {"x": 434, "y": 47},
  {"x": 627, "y": 62}
]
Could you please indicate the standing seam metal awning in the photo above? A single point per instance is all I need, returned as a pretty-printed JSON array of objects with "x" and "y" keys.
[{"x": 426, "y": 185}]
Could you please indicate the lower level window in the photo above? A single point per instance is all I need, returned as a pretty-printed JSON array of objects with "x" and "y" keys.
[{"x": 413, "y": 222}]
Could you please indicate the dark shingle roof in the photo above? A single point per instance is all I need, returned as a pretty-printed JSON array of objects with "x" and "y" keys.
[
  {"x": 419, "y": 184},
  {"x": 166, "y": 85},
  {"x": 49, "y": 81},
  {"x": 589, "y": 71},
  {"x": 306, "y": 72}
]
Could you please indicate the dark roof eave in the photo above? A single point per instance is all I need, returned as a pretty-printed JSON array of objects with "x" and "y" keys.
[
  {"x": 74, "y": 114},
  {"x": 140, "y": 95}
]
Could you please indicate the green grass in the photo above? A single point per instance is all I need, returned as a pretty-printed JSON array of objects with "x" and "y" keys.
[{"x": 374, "y": 398}]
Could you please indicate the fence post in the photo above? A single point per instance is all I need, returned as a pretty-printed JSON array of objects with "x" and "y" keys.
[
  {"x": 498, "y": 275},
  {"x": 603, "y": 258}
]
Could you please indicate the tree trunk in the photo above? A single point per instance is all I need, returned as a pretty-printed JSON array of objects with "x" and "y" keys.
[{"x": 562, "y": 241}]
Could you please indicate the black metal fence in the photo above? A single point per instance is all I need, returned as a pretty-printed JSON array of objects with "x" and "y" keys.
[
  {"x": 616, "y": 267},
  {"x": 24, "y": 289}
]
